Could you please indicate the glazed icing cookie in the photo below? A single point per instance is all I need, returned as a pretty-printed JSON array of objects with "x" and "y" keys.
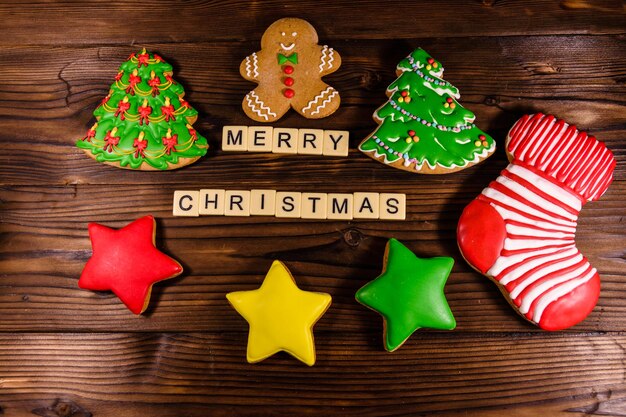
[
  {"x": 520, "y": 230},
  {"x": 127, "y": 262},
  {"x": 289, "y": 70},
  {"x": 423, "y": 128},
  {"x": 409, "y": 294},
  {"x": 281, "y": 316},
  {"x": 144, "y": 123}
]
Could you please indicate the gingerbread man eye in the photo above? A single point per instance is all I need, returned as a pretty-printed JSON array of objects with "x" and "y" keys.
[
  {"x": 294, "y": 34},
  {"x": 282, "y": 33}
]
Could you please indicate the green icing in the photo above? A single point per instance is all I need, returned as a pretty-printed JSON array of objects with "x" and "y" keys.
[
  {"x": 445, "y": 130},
  {"x": 409, "y": 294},
  {"x": 130, "y": 128}
]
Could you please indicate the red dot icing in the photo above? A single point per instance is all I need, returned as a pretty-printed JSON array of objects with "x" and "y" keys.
[
  {"x": 288, "y": 81},
  {"x": 288, "y": 69},
  {"x": 289, "y": 93}
]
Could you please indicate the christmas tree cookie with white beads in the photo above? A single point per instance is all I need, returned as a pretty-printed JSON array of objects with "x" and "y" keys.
[
  {"x": 144, "y": 123},
  {"x": 423, "y": 128},
  {"x": 520, "y": 230}
]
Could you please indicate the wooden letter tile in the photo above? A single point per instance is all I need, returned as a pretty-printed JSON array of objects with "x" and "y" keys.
[
  {"x": 310, "y": 141},
  {"x": 336, "y": 142},
  {"x": 186, "y": 203},
  {"x": 366, "y": 205},
  {"x": 263, "y": 202},
  {"x": 260, "y": 139},
  {"x": 235, "y": 138},
  {"x": 285, "y": 140},
  {"x": 288, "y": 204},
  {"x": 313, "y": 206},
  {"x": 339, "y": 206},
  {"x": 237, "y": 203},
  {"x": 392, "y": 206},
  {"x": 211, "y": 202}
]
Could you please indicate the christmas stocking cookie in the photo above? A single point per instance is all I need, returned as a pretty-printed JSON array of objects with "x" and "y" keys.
[
  {"x": 520, "y": 230},
  {"x": 289, "y": 70}
]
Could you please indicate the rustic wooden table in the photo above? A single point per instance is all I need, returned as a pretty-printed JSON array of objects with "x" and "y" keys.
[{"x": 69, "y": 352}]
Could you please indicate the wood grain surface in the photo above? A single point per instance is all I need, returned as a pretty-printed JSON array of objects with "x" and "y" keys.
[{"x": 70, "y": 352}]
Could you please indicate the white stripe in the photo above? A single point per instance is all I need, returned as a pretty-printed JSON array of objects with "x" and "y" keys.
[
  {"x": 556, "y": 137},
  {"x": 504, "y": 199},
  {"x": 522, "y": 269},
  {"x": 551, "y": 155},
  {"x": 551, "y": 296},
  {"x": 541, "y": 273},
  {"x": 511, "y": 215},
  {"x": 545, "y": 286},
  {"x": 503, "y": 262},
  {"x": 529, "y": 231},
  {"x": 535, "y": 198},
  {"x": 517, "y": 244},
  {"x": 538, "y": 142},
  {"x": 578, "y": 171},
  {"x": 547, "y": 186},
  {"x": 567, "y": 150}
]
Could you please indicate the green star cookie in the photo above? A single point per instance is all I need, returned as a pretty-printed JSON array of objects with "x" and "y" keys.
[{"x": 409, "y": 294}]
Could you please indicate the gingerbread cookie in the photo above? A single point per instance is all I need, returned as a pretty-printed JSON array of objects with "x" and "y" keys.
[
  {"x": 289, "y": 70},
  {"x": 520, "y": 230},
  {"x": 281, "y": 316},
  {"x": 127, "y": 262},
  {"x": 423, "y": 128},
  {"x": 409, "y": 294},
  {"x": 144, "y": 122}
]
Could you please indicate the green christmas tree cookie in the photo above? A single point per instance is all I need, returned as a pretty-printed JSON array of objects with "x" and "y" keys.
[
  {"x": 423, "y": 128},
  {"x": 144, "y": 123}
]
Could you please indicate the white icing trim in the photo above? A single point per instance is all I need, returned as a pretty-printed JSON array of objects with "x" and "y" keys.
[
  {"x": 288, "y": 48},
  {"x": 331, "y": 58},
  {"x": 261, "y": 105},
  {"x": 439, "y": 143},
  {"x": 441, "y": 91},
  {"x": 462, "y": 142},
  {"x": 327, "y": 90},
  {"x": 418, "y": 166}
]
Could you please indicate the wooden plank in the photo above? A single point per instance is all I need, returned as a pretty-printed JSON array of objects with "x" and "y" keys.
[
  {"x": 452, "y": 374},
  {"x": 101, "y": 22},
  {"x": 44, "y": 246},
  {"x": 500, "y": 79}
]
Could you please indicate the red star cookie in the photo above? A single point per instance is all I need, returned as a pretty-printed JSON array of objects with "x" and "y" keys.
[{"x": 127, "y": 262}]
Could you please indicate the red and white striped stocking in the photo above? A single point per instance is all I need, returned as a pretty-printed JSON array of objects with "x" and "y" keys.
[{"x": 520, "y": 230}]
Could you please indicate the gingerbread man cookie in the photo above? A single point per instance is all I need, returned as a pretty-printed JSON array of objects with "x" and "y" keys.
[{"x": 289, "y": 70}]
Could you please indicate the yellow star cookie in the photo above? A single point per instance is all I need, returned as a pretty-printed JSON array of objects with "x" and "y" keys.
[{"x": 281, "y": 316}]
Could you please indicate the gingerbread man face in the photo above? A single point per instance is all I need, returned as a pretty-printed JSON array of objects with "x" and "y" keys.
[
  {"x": 288, "y": 34},
  {"x": 288, "y": 70}
]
